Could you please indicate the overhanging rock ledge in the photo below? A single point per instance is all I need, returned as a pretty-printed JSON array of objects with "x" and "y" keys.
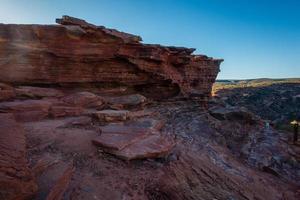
[{"x": 77, "y": 52}]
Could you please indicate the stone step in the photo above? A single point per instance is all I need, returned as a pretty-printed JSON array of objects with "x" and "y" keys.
[
  {"x": 111, "y": 115},
  {"x": 144, "y": 124},
  {"x": 118, "y": 141},
  {"x": 134, "y": 139},
  {"x": 28, "y": 110},
  {"x": 83, "y": 99},
  {"x": 126, "y": 101},
  {"x": 152, "y": 146}
]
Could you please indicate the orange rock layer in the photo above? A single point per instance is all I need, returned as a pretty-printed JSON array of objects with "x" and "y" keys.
[{"x": 77, "y": 52}]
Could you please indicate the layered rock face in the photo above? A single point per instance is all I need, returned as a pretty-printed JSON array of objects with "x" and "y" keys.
[{"x": 79, "y": 52}]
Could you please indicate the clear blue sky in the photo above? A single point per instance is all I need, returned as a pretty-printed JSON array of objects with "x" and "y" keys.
[{"x": 257, "y": 38}]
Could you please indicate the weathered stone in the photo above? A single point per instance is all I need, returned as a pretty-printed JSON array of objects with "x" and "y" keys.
[
  {"x": 80, "y": 121},
  {"x": 61, "y": 185},
  {"x": 134, "y": 140},
  {"x": 126, "y": 37},
  {"x": 118, "y": 141},
  {"x": 126, "y": 101},
  {"x": 37, "y": 92},
  {"x": 78, "y": 52},
  {"x": 153, "y": 146},
  {"x": 65, "y": 111},
  {"x": 6, "y": 92},
  {"x": 111, "y": 115},
  {"x": 83, "y": 99},
  {"x": 16, "y": 179},
  {"x": 129, "y": 144},
  {"x": 139, "y": 125},
  {"x": 42, "y": 165},
  {"x": 28, "y": 110},
  {"x": 233, "y": 113},
  {"x": 140, "y": 113}
]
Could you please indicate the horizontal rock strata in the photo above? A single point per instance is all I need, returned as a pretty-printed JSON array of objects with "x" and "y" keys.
[{"x": 78, "y": 52}]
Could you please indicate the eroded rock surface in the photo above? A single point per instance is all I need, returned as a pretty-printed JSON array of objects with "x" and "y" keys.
[
  {"x": 135, "y": 140},
  {"x": 79, "y": 52},
  {"x": 28, "y": 110},
  {"x": 6, "y": 92},
  {"x": 37, "y": 92},
  {"x": 111, "y": 115},
  {"x": 16, "y": 179}
]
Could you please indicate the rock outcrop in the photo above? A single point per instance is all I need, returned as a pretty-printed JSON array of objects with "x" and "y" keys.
[
  {"x": 135, "y": 140},
  {"x": 78, "y": 52},
  {"x": 28, "y": 110}
]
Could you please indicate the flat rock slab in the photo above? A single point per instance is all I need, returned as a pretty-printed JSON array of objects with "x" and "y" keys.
[
  {"x": 111, "y": 115},
  {"x": 28, "y": 110},
  {"x": 83, "y": 99},
  {"x": 79, "y": 121},
  {"x": 152, "y": 146},
  {"x": 118, "y": 141},
  {"x": 117, "y": 136},
  {"x": 37, "y": 92},
  {"x": 65, "y": 111},
  {"x": 147, "y": 123},
  {"x": 126, "y": 101},
  {"x": 233, "y": 113},
  {"x": 16, "y": 180},
  {"x": 141, "y": 113},
  {"x": 140, "y": 125},
  {"x": 134, "y": 140}
]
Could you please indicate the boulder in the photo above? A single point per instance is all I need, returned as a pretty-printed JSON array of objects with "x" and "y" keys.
[
  {"x": 16, "y": 179},
  {"x": 111, "y": 115},
  {"x": 28, "y": 110},
  {"x": 37, "y": 92}
]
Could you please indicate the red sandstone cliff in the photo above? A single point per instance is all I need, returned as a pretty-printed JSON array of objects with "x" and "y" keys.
[{"x": 79, "y": 52}]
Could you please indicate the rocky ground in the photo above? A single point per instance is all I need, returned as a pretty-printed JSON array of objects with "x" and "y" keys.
[
  {"x": 112, "y": 144},
  {"x": 275, "y": 100}
]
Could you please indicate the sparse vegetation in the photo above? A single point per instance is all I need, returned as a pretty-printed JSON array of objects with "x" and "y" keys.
[
  {"x": 277, "y": 100},
  {"x": 232, "y": 84}
]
